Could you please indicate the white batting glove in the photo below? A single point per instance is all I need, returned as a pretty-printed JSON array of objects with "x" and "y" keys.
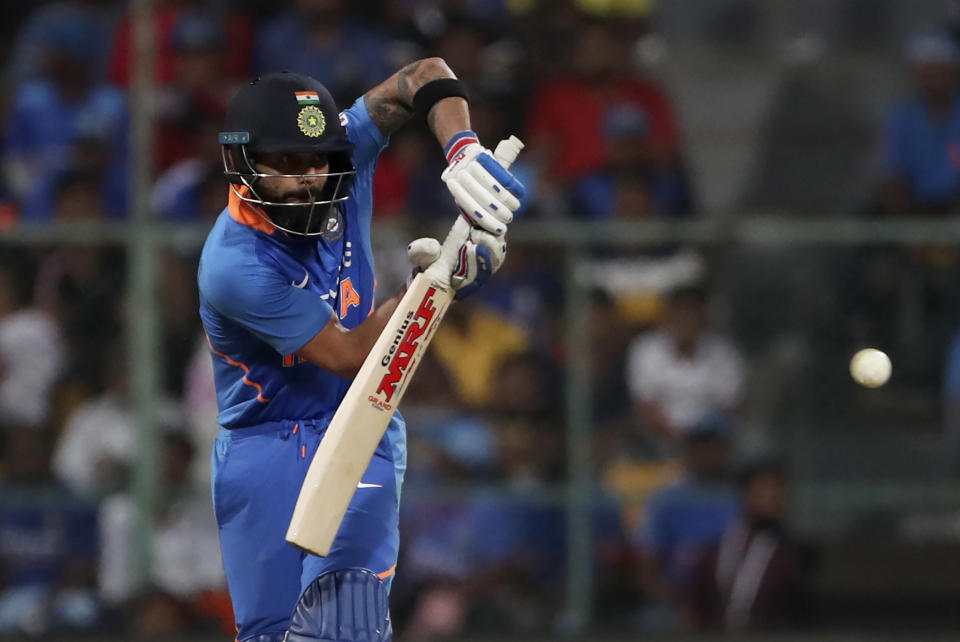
[
  {"x": 468, "y": 268},
  {"x": 486, "y": 192}
]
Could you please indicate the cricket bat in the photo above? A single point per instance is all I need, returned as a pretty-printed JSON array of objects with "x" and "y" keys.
[{"x": 362, "y": 417}]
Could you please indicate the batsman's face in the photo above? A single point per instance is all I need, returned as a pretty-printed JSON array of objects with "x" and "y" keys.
[{"x": 292, "y": 189}]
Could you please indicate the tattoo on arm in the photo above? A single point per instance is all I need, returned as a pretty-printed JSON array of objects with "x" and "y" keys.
[
  {"x": 391, "y": 102},
  {"x": 404, "y": 84},
  {"x": 389, "y": 115}
]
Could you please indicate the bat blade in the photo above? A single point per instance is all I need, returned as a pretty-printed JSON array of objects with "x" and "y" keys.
[{"x": 363, "y": 415}]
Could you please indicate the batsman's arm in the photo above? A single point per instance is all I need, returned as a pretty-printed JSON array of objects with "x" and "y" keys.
[
  {"x": 342, "y": 351},
  {"x": 391, "y": 103}
]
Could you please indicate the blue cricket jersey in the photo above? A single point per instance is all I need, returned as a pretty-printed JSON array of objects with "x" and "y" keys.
[{"x": 264, "y": 294}]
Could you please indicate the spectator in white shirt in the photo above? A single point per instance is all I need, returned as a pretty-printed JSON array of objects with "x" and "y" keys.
[
  {"x": 31, "y": 352},
  {"x": 186, "y": 550},
  {"x": 98, "y": 443},
  {"x": 681, "y": 371}
]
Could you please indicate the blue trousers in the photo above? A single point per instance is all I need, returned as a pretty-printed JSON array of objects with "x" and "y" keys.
[{"x": 256, "y": 477}]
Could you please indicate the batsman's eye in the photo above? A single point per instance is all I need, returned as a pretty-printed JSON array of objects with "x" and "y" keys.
[
  {"x": 302, "y": 163},
  {"x": 318, "y": 161}
]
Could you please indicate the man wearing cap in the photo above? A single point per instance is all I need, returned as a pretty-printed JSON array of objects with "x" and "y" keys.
[{"x": 286, "y": 297}]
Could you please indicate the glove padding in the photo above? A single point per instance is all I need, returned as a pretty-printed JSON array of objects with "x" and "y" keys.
[
  {"x": 486, "y": 193},
  {"x": 478, "y": 258}
]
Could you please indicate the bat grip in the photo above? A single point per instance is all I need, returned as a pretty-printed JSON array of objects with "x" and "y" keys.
[
  {"x": 505, "y": 153},
  {"x": 456, "y": 237}
]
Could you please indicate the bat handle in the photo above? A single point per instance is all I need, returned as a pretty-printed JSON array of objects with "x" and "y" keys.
[
  {"x": 506, "y": 152},
  {"x": 459, "y": 233}
]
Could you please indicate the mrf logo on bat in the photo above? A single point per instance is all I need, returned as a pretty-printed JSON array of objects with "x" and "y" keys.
[{"x": 400, "y": 359}]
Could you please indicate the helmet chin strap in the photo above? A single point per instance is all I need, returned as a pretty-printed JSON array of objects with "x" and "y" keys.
[
  {"x": 285, "y": 216},
  {"x": 320, "y": 216}
]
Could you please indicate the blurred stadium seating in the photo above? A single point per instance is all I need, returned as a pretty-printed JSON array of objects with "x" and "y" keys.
[{"x": 749, "y": 151}]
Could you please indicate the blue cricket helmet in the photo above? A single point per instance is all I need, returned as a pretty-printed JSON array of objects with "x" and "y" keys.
[{"x": 292, "y": 113}]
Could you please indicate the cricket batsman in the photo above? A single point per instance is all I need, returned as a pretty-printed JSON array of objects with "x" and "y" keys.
[{"x": 286, "y": 283}]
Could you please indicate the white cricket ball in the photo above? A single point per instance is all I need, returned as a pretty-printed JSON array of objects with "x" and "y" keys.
[{"x": 870, "y": 367}]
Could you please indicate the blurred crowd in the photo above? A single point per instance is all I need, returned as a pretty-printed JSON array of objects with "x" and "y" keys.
[{"x": 690, "y": 531}]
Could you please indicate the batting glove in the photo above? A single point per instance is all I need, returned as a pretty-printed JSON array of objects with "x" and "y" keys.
[
  {"x": 475, "y": 261},
  {"x": 486, "y": 193}
]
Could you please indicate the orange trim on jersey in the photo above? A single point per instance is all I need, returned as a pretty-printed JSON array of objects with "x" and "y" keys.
[
  {"x": 242, "y": 366},
  {"x": 387, "y": 573},
  {"x": 373, "y": 303},
  {"x": 245, "y": 213}
]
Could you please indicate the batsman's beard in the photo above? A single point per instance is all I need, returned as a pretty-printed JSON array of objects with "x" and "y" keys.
[
  {"x": 301, "y": 212},
  {"x": 308, "y": 211}
]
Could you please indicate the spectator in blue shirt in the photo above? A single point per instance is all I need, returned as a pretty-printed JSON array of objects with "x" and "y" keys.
[
  {"x": 606, "y": 193},
  {"x": 85, "y": 25},
  {"x": 317, "y": 38},
  {"x": 47, "y": 113},
  {"x": 684, "y": 518},
  {"x": 48, "y": 543},
  {"x": 95, "y": 151},
  {"x": 921, "y": 144}
]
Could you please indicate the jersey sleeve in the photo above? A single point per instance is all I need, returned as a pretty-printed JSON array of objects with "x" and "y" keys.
[
  {"x": 367, "y": 138},
  {"x": 268, "y": 305}
]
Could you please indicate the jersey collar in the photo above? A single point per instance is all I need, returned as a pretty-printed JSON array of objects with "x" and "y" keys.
[{"x": 247, "y": 214}]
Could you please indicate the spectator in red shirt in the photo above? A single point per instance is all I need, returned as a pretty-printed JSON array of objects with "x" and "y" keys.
[
  {"x": 200, "y": 90},
  {"x": 603, "y": 119},
  {"x": 167, "y": 14}
]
